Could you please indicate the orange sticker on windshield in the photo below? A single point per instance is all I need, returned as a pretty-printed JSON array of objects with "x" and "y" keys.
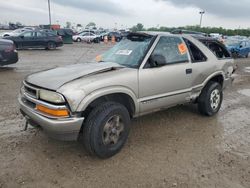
[
  {"x": 182, "y": 48},
  {"x": 98, "y": 58}
]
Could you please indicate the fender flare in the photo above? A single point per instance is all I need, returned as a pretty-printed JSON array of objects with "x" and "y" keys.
[
  {"x": 204, "y": 83},
  {"x": 106, "y": 91}
]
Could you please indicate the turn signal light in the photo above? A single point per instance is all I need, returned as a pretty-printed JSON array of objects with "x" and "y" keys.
[{"x": 52, "y": 112}]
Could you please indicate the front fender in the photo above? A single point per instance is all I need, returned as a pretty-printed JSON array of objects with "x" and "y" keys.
[{"x": 106, "y": 91}]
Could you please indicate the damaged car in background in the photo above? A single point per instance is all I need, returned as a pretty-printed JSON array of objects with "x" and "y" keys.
[
  {"x": 238, "y": 48},
  {"x": 144, "y": 73}
]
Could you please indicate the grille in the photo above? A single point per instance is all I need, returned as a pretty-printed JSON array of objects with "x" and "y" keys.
[{"x": 31, "y": 91}]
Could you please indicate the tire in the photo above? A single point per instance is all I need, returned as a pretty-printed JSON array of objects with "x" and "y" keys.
[
  {"x": 210, "y": 99},
  {"x": 99, "y": 137},
  {"x": 235, "y": 55},
  {"x": 96, "y": 40},
  {"x": 78, "y": 40},
  {"x": 246, "y": 56},
  {"x": 51, "y": 46}
]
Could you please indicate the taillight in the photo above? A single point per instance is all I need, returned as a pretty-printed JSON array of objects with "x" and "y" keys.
[
  {"x": 10, "y": 49},
  {"x": 59, "y": 38}
]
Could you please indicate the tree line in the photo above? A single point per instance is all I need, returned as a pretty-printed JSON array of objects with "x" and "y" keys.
[{"x": 208, "y": 30}]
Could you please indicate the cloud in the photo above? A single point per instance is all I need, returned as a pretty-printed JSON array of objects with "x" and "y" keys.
[
  {"x": 223, "y": 8},
  {"x": 101, "y": 6}
]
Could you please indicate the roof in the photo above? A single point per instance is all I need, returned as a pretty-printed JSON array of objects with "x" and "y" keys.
[{"x": 150, "y": 33}]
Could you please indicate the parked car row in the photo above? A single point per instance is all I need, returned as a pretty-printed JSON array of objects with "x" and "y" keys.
[
  {"x": 24, "y": 39},
  {"x": 96, "y": 37}
]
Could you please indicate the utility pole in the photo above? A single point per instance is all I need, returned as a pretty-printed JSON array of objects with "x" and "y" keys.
[
  {"x": 49, "y": 14},
  {"x": 201, "y": 13}
]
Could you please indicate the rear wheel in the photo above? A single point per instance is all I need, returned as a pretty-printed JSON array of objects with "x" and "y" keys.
[
  {"x": 106, "y": 129},
  {"x": 51, "y": 46},
  {"x": 78, "y": 40},
  {"x": 210, "y": 100}
]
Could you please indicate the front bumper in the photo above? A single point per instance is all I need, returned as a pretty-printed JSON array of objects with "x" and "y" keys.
[{"x": 66, "y": 129}]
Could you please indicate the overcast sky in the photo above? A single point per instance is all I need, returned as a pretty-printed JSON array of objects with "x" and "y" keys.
[{"x": 105, "y": 13}]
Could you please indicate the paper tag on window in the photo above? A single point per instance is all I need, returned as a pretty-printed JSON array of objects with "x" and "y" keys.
[
  {"x": 182, "y": 48},
  {"x": 124, "y": 52}
]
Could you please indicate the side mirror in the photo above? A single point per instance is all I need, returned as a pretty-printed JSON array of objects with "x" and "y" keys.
[
  {"x": 21, "y": 36},
  {"x": 241, "y": 46},
  {"x": 157, "y": 60}
]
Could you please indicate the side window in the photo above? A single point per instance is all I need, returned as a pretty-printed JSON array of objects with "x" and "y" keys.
[
  {"x": 28, "y": 34},
  {"x": 40, "y": 34},
  {"x": 169, "y": 50},
  {"x": 243, "y": 45},
  {"x": 218, "y": 49},
  {"x": 195, "y": 53}
]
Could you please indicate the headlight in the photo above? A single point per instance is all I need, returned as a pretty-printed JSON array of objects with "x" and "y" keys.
[{"x": 51, "y": 96}]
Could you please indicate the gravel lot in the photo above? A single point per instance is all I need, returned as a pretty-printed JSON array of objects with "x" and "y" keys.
[{"x": 173, "y": 148}]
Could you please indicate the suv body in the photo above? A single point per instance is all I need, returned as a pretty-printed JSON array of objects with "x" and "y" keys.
[{"x": 164, "y": 70}]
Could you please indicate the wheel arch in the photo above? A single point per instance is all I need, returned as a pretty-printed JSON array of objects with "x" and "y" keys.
[
  {"x": 216, "y": 77},
  {"x": 121, "y": 95}
]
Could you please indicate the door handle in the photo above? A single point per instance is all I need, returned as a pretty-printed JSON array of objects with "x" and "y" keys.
[{"x": 189, "y": 71}]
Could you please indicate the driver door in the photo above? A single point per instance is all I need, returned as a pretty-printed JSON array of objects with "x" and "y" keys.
[
  {"x": 27, "y": 39},
  {"x": 165, "y": 79}
]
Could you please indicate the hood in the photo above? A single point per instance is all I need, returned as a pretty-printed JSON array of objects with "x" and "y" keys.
[{"x": 53, "y": 79}]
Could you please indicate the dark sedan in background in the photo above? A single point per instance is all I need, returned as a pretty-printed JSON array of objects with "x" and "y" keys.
[
  {"x": 36, "y": 39},
  {"x": 118, "y": 36},
  {"x": 8, "y": 53}
]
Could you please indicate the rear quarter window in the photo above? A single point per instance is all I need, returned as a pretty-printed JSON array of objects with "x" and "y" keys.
[
  {"x": 218, "y": 49},
  {"x": 196, "y": 54}
]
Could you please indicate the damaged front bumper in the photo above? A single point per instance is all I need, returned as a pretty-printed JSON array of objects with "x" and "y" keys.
[{"x": 66, "y": 129}]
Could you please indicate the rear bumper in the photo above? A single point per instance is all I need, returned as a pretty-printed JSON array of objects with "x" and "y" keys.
[{"x": 66, "y": 129}]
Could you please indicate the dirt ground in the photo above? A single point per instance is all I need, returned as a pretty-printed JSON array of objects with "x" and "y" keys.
[{"x": 174, "y": 148}]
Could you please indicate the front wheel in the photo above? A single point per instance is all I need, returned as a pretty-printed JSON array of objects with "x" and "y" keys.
[
  {"x": 106, "y": 129},
  {"x": 210, "y": 100}
]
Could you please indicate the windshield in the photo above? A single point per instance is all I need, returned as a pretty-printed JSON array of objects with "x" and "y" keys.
[{"x": 129, "y": 52}]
